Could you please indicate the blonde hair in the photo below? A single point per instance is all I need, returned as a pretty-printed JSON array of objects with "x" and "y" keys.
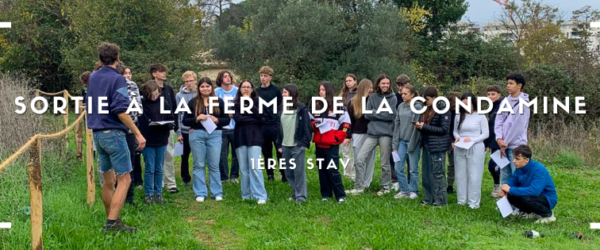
[
  {"x": 189, "y": 73},
  {"x": 266, "y": 70},
  {"x": 362, "y": 91}
]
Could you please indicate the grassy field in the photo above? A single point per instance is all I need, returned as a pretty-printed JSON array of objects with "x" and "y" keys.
[{"x": 363, "y": 222}]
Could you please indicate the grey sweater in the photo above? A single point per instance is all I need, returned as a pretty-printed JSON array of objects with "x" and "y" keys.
[
  {"x": 403, "y": 128},
  {"x": 381, "y": 124},
  {"x": 185, "y": 96}
]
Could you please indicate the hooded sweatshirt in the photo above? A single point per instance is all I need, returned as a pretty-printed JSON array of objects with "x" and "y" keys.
[
  {"x": 185, "y": 95},
  {"x": 403, "y": 128},
  {"x": 512, "y": 128},
  {"x": 381, "y": 124},
  {"x": 532, "y": 180}
]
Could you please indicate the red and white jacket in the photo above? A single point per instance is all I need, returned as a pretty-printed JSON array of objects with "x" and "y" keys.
[{"x": 333, "y": 137}]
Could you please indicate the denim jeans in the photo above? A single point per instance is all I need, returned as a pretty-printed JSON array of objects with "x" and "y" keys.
[
  {"x": 507, "y": 171},
  {"x": 252, "y": 180},
  {"x": 154, "y": 158},
  {"x": 206, "y": 148},
  {"x": 113, "y": 152},
  {"x": 413, "y": 158}
]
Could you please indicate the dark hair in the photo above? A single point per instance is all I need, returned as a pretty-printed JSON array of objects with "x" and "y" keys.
[
  {"x": 518, "y": 78},
  {"x": 147, "y": 89},
  {"x": 412, "y": 89},
  {"x": 452, "y": 100},
  {"x": 199, "y": 100},
  {"x": 429, "y": 113},
  {"x": 379, "y": 79},
  {"x": 294, "y": 93},
  {"x": 238, "y": 96},
  {"x": 84, "y": 77},
  {"x": 493, "y": 88},
  {"x": 157, "y": 68},
  {"x": 522, "y": 150},
  {"x": 328, "y": 95},
  {"x": 402, "y": 80},
  {"x": 121, "y": 67},
  {"x": 220, "y": 76},
  {"x": 108, "y": 53},
  {"x": 345, "y": 89},
  {"x": 463, "y": 112}
]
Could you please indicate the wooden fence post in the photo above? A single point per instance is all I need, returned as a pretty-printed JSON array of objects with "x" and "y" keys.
[
  {"x": 34, "y": 171},
  {"x": 89, "y": 152},
  {"x": 66, "y": 117},
  {"x": 79, "y": 137}
]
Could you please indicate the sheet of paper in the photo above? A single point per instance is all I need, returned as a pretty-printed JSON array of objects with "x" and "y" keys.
[
  {"x": 178, "y": 149},
  {"x": 324, "y": 127},
  {"x": 209, "y": 125},
  {"x": 396, "y": 156},
  {"x": 504, "y": 207},
  {"x": 161, "y": 123},
  {"x": 501, "y": 161},
  {"x": 463, "y": 144}
]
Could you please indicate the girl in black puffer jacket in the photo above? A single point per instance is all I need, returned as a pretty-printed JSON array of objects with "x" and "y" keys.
[{"x": 434, "y": 129}]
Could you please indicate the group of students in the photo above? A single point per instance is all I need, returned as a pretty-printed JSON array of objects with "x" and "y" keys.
[{"x": 118, "y": 136}]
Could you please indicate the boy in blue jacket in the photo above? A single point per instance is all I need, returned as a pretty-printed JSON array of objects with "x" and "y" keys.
[{"x": 530, "y": 188}]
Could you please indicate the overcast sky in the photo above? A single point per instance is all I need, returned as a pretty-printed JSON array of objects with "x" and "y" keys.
[{"x": 483, "y": 11}]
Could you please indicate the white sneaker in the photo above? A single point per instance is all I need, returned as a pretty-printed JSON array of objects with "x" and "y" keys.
[
  {"x": 396, "y": 187},
  {"x": 355, "y": 191},
  {"x": 544, "y": 220},
  {"x": 516, "y": 212},
  {"x": 219, "y": 198},
  {"x": 413, "y": 195},
  {"x": 402, "y": 195},
  {"x": 383, "y": 191},
  {"x": 341, "y": 200},
  {"x": 531, "y": 216},
  {"x": 199, "y": 199},
  {"x": 261, "y": 202},
  {"x": 496, "y": 190}
]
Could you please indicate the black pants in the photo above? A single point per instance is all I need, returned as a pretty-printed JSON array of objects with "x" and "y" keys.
[
  {"x": 270, "y": 134},
  {"x": 330, "y": 179},
  {"x": 132, "y": 145},
  {"x": 185, "y": 158},
  {"x": 531, "y": 204},
  {"x": 223, "y": 162},
  {"x": 492, "y": 168}
]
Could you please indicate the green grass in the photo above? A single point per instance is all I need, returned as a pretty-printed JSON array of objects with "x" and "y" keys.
[{"x": 362, "y": 222}]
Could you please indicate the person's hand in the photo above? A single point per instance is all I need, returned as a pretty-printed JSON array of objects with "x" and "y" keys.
[
  {"x": 394, "y": 150},
  {"x": 452, "y": 146},
  {"x": 502, "y": 152},
  {"x": 418, "y": 125},
  {"x": 191, "y": 131},
  {"x": 457, "y": 139},
  {"x": 214, "y": 119},
  {"x": 501, "y": 194},
  {"x": 506, "y": 188},
  {"x": 141, "y": 142},
  {"x": 201, "y": 117},
  {"x": 180, "y": 139},
  {"x": 468, "y": 139},
  {"x": 501, "y": 143},
  {"x": 346, "y": 142},
  {"x": 280, "y": 150}
]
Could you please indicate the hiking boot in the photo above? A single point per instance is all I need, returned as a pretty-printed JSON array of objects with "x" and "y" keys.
[{"x": 496, "y": 190}]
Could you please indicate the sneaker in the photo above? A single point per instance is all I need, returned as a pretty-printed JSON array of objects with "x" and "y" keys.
[
  {"x": 119, "y": 226},
  {"x": 149, "y": 200},
  {"x": 396, "y": 187},
  {"x": 325, "y": 199},
  {"x": 424, "y": 203},
  {"x": 516, "y": 212},
  {"x": 413, "y": 195},
  {"x": 261, "y": 202},
  {"x": 450, "y": 190},
  {"x": 341, "y": 200},
  {"x": 496, "y": 190},
  {"x": 401, "y": 195},
  {"x": 291, "y": 199},
  {"x": 355, "y": 191},
  {"x": 199, "y": 199},
  {"x": 173, "y": 190},
  {"x": 548, "y": 219},
  {"x": 159, "y": 199},
  {"x": 270, "y": 178},
  {"x": 219, "y": 198},
  {"x": 235, "y": 181},
  {"x": 531, "y": 216},
  {"x": 383, "y": 191}
]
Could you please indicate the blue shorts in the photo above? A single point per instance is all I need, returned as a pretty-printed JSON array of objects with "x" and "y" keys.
[{"x": 113, "y": 152}]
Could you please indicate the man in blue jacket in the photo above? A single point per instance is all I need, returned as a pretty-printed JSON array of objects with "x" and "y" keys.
[{"x": 530, "y": 188}]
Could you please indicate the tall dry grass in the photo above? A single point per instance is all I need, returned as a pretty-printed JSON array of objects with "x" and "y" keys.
[{"x": 16, "y": 129}]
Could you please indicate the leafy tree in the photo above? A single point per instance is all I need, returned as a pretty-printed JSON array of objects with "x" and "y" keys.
[{"x": 443, "y": 14}]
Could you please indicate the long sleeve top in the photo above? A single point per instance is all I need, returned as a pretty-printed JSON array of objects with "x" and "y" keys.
[{"x": 474, "y": 126}]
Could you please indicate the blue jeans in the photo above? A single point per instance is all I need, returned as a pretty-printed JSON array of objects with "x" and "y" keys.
[
  {"x": 507, "y": 171},
  {"x": 253, "y": 183},
  {"x": 413, "y": 159},
  {"x": 206, "y": 148},
  {"x": 113, "y": 152},
  {"x": 154, "y": 158}
]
